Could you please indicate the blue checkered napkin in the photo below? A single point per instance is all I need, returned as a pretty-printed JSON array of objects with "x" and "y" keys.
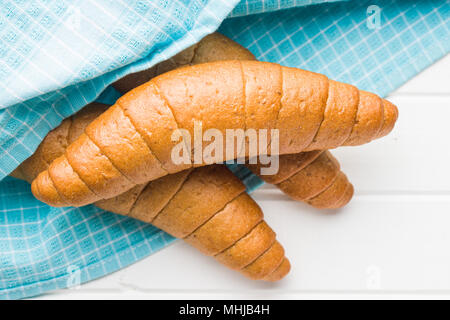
[
  {"x": 58, "y": 55},
  {"x": 339, "y": 39},
  {"x": 43, "y": 249},
  {"x": 248, "y": 7}
]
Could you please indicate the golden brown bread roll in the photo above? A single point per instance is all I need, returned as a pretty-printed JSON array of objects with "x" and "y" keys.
[{"x": 131, "y": 142}]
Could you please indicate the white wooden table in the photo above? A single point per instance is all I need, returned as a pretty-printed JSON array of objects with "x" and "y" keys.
[{"x": 392, "y": 240}]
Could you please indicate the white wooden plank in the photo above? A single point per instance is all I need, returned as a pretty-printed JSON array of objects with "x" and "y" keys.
[
  {"x": 433, "y": 80},
  {"x": 384, "y": 244}
]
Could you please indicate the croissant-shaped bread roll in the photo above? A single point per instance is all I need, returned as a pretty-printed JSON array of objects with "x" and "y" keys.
[{"x": 131, "y": 142}]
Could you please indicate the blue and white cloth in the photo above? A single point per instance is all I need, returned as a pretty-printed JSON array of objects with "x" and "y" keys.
[{"x": 58, "y": 55}]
